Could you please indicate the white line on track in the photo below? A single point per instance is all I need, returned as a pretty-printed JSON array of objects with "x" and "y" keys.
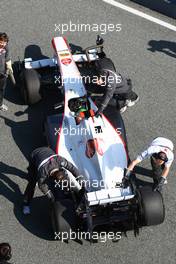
[{"x": 141, "y": 14}]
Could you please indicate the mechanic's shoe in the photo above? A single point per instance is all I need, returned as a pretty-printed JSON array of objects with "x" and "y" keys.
[
  {"x": 26, "y": 210},
  {"x": 130, "y": 103},
  {"x": 123, "y": 109},
  {"x": 3, "y": 107}
]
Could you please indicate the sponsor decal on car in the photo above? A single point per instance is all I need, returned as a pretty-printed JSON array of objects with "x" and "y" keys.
[
  {"x": 64, "y": 53},
  {"x": 66, "y": 61},
  {"x": 94, "y": 145}
]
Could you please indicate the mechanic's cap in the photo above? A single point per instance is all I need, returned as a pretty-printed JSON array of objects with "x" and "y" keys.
[
  {"x": 5, "y": 251},
  {"x": 162, "y": 156}
]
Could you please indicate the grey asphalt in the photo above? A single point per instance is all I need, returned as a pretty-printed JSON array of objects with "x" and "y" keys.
[{"x": 33, "y": 22}]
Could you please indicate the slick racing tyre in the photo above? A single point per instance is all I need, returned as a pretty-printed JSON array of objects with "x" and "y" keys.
[
  {"x": 30, "y": 88},
  {"x": 151, "y": 207},
  {"x": 63, "y": 219}
]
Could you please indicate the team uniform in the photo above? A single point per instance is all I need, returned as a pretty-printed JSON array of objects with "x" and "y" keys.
[
  {"x": 116, "y": 89},
  {"x": 120, "y": 90},
  {"x": 158, "y": 145},
  {"x": 4, "y": 58},
  {"x": 42, "y": 161}
]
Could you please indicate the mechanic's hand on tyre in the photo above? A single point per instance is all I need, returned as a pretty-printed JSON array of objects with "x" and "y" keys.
[
  {"x": 126, "y": 178},
  {"x": 125, "y": 182},
  {"x": 50, "y": 196},
  {"x": 159, "y": 185},
  {"x": 127, "y": 173}
]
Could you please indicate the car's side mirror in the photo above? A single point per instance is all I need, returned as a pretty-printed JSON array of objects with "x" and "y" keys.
[{"x": 99, "y": 40}]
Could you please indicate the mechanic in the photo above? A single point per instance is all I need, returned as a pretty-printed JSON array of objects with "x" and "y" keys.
[
  {"x": 161, "y": 156},
  {"x": 5, "y": 253},
  {"x": 44, "y": 163},
  {"x": 5, "y": 67},
  {"x": 114, "y": 86}
]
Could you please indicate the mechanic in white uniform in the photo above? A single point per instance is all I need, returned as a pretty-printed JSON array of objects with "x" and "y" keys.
[{"x": 160, "y": 152}]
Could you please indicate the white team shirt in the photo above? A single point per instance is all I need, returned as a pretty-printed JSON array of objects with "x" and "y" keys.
[{"x": 159, "y": 144}]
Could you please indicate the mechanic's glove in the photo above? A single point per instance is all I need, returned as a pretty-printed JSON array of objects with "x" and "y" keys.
[
  {"x": 97, "y": 113},
  {"x": 8, "y": 72},
  {"x": 80, "y": 180},
  {"x": 125, "y": 180},
  {"x": 9, "y": 69},
  {"x": 158, "y": 186},
  {"x": 50, "y": 196},
  {"x": 82, "y": 191}
]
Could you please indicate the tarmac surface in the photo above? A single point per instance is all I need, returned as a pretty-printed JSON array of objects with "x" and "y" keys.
[{"x": 142, "y": 50}]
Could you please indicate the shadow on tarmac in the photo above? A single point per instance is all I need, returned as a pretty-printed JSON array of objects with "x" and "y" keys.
[
  {"x": 167, "y": 47},
  {"x": 38, "y": 223}
]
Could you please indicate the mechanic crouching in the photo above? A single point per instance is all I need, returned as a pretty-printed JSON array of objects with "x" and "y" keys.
[
  {"x": 114, "y": 86},
  {"x": 44, "y": 163},
  {"x": 161, "y": 155}
]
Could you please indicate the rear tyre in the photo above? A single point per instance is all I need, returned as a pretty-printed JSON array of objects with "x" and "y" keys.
[
  {"x": 63, "y": 219},
  {"x": 30, "y": 88},
  {"x": 151, "y": 207}
]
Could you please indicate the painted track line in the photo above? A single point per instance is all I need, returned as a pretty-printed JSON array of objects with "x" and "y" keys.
[{"x": 141, "y": 14}]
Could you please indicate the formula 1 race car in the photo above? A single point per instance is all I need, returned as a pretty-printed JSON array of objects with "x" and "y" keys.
[{"x": 96, "y": 145}]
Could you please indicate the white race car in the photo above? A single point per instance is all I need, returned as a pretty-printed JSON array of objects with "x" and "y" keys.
[{"x": 95, "y": 145}]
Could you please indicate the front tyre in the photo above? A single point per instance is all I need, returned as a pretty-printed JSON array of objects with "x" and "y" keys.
[{"x": 30, "y": 88}]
